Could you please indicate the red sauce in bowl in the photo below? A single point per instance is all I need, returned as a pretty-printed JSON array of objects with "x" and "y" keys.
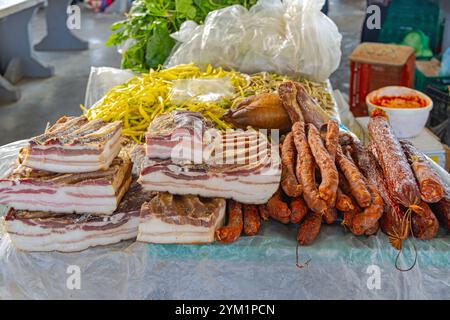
[{"x": 400, "y": 102}]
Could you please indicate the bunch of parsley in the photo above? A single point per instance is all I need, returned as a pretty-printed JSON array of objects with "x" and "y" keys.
[{"x": 150, "y": 23}]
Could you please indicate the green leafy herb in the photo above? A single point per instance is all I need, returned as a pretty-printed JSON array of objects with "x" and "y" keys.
[{"x": 146, "y": 31}]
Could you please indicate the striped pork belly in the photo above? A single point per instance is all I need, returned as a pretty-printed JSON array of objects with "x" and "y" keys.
[
  {"x": 176, "y": 135},
  {"x": 74, "y": 144},
  {"x": 236, "y": 164},
  {"x": 92, "y": 192},
  {"x": 43, "y": 231},
  {"x": 190, "y": 219}
]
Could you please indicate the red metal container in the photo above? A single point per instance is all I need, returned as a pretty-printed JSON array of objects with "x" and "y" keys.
[{"x": 376, "y": 65}]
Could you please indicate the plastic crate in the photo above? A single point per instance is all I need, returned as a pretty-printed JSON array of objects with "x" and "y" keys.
[
  {"x": 404, "y": 16},
  {"x": 376, "y": 65},
  {"x": 421, "y": 81},
  {"x": 441, "y": 104},
  {"x": 439, "y": 121}
]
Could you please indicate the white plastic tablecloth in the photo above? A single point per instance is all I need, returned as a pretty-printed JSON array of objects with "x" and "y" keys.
[{"x": 341, "y": 266}]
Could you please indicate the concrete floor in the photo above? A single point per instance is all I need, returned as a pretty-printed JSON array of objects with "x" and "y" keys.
[{"x": 45, "y": 100}]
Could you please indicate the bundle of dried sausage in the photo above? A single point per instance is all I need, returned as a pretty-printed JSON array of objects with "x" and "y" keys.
[
  {"x": 393, "y": 222},
  {"x": 306, "y": 169},
  {"x": 430, "y": 185},
  {"x": 367, "y": 220},
  {"x": 399, "y": 177},
  {"x": 289, "y": 182}
]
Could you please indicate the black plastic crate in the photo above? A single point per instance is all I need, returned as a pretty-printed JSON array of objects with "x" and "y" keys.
[{"x": 439, "y": 121}]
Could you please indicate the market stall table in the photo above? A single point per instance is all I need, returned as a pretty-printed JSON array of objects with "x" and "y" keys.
[
  {"x": 341, "y": 266},
  {"x": 16, "y": 55}
]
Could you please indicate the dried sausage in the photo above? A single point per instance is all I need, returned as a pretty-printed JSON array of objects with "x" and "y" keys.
[
  {"x": 355, "y": 179},
  {"x": 331, "y": 137},
  {"x": 399, "y": 177},
  {"x": 330, "y": 215},
  {"x": 252, "y": 220},
  {"x": 264, "y": 212},
  {"x": 289, "y": 182},
  {"x": 310, "y": 228},
  {"x": 306, "y": 169},
  {"x": 360, "y": 155},
  {"x": 425, "y": 225},
  {"x": 393, "y": 222},
  {"x": 233, "y": 229},
  {"x": 442, "y": 208},
  {"x": 347, "y": 220},
  {"x": 343, "y": 201},
  {"x": 330, "y": 179},
  {"x": 299, "y": 209},
  {"x": 288, "y": 94},
  {"x": 312, "y": 112},
  {"x": 430, "y": 185},
  {"x": 278, "y": 209},
  {"x": 370, "y": 216},
  {"x": 373, "y": 230}
]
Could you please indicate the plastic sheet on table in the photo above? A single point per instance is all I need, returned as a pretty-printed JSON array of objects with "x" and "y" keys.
[{"x": 341, "y": 266}]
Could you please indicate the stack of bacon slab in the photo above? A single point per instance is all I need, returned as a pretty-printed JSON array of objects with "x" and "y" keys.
[
  {"x": 186, "y": 156},
  {"x": 47, "y": 231},
  {"x": 67, "y": 207},
  {"x": 194, "y": 167},
  {"x": 74, "y": 144},
  {"x": 90, "y": 192}
]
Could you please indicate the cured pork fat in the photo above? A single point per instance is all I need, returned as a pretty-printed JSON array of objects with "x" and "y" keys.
[
  {"x": 74, "y": 144},
  {"x": 94, "y": 192},
  {"x": 170, "y": 218},
  {"x": 42, "y": 231},
  {"x": 236, "y": 164}
]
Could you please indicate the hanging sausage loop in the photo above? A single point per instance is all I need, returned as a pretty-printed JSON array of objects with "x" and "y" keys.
[
  {"x": 300, "y": 265},
  {"x": 415, "y": 258},
  {"x": 409, "y": 224}
]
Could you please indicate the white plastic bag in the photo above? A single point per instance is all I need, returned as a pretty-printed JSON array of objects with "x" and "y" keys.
[
  {"x": 101, "y": 80},
  {"x": 200, "y": 90},
  {"x": 287, "y": 37}
]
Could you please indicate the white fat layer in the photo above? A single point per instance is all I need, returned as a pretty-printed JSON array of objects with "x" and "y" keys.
[
  {"x": 101, "y": 199},
  {"x": 158, "y": 151},
  {"x": 72, "y": 238},
  {"x": 154, "y": 230},
  {"x": 253, "y": 189},
  {"x": 66, "y": 163}
]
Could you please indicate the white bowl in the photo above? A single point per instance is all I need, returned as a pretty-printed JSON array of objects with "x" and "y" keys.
[{"x": 405, "y": 122}]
